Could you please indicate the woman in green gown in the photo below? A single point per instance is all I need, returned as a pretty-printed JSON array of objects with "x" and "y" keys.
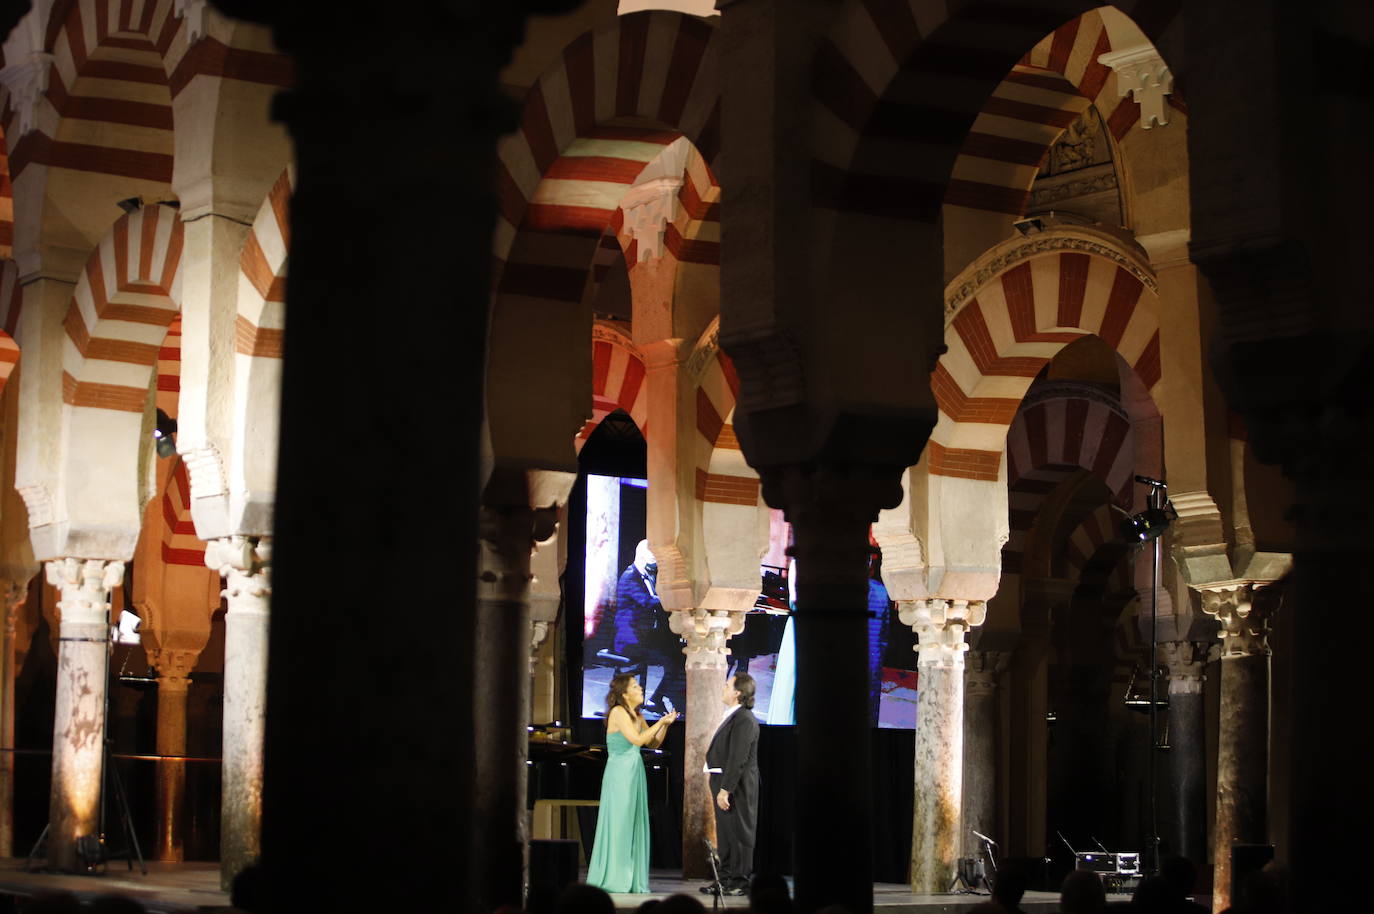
[{"x": 620, "y": 854}]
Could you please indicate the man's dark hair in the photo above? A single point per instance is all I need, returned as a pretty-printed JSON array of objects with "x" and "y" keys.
[{"x": 744, "y": 685}]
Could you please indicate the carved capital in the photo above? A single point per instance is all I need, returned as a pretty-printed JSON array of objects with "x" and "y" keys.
[
  {"x": 245, "y": 562},
  {"x": 1143, "y": 73},
  {"x": 85, "y": 586},
  {"x": 981, "y": 671},
  {"x": 173, "y": 667},
  {"x": 194, "y": 13},
  {"x": 1186, "y": 662},
  {"x": 940, "y": 627},
  {"x": 505, "y": 539},
  {"x": 1244, "y": 627},
  {"x": 706, "y": 632},
  {"x": 649, "y": 207},
  {"x": 27, "y": 81}
]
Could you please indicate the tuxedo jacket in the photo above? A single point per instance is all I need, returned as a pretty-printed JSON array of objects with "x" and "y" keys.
[{"x": 735, "y": 751}]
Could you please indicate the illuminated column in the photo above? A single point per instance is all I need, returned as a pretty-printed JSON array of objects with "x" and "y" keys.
[
  {"x": 1243, "y": 738},
  {"x": 79, "y": 719},
  {"x": 979, "y": 808},
  {"x": 940, "y": 626},
  {"x": 246, "y": 565},
  {"x": 13, "y": 596},
  {"x": 706, "y": 633},
  {"x": 173, "y": 672},
  {"x": 1186, "y": 662}
]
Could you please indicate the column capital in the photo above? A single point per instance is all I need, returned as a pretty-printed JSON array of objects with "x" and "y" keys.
[
  {"x": 84, "y": 585},
  {"x": 706, "y": 631},
  {"x": 505, "y": 537},
  {"x": 1244, "y": 626},
  {"x": 173, "y": 665},
  {"x": 940, "y": 626},
  {"x": 245, "y": 562},
  {"x": 832, "y": 495},
  {"x": 1186, "y": 662},
  {"x": 649, "y": 207},
  {"x": 981, "y": 670}
]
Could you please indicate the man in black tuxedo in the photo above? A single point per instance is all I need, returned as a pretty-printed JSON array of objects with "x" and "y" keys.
[{"x": 732, "y": 760}]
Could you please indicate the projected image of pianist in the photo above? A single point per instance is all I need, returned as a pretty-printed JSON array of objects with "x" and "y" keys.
[{"x": 642, "y": 641}]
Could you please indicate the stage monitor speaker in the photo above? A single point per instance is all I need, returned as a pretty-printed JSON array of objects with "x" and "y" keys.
[
  {"x": 553, "y": 862},
  {"x": 1247, "y": 859}
]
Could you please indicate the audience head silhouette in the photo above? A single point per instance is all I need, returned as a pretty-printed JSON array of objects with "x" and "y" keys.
[{"x": 1082, "y": 893}]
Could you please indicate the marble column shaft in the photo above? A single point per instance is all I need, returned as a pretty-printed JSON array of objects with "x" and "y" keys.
[
  {"x": 171, "y": 773},
  {"x": 706, "y": 633},
  {"x": 940, "y": 626},
  {"x": 502, "y": 691},
  {"x": 1186, "y": 662},
  {"x": 79, "y": 719},
  {"x": 1243, "y": 734},
  {"x": 246, "y": 567},
  {"x": 979, "y": 808}
]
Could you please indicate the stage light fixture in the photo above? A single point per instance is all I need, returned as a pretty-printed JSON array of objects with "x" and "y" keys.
[
  {"x": 1033, "y": 225},
  {"x": 163, "y": 433},
  {"x": 1147, "y": 525},
  {"x": 130, "y": 204},
  {"x": 126, "y": 632}
]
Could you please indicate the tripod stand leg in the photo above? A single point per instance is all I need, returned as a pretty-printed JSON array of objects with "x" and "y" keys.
[
  {"x": 122, "y": 800},
  {"x": 40, "y": 846}
]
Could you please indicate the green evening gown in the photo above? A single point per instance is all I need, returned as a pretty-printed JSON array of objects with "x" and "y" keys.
[{"x": 620, "y": 855}]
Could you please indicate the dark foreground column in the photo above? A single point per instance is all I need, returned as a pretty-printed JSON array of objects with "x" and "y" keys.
[
  {"x": 830, "y": 511},
  {"x": 1186, "y": 661},
  {"x": 1243, "y": 739},
  {"x": 369, "y": 729},
  {"x": 981, "y": 672}
]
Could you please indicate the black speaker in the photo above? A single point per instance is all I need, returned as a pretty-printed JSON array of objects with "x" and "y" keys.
[
  {"x": 1247, "y": 859},
  {"x": 553, "y": 862}
]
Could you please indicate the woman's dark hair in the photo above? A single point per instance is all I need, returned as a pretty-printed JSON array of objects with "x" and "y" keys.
[
  {"x": 615, "y": 695},
  {"x": 744, "y": 685}
]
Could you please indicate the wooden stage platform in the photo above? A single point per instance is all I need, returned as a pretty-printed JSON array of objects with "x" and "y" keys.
[{"x": 185, "y": 887}]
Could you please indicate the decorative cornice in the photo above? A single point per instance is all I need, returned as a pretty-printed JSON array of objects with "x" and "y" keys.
[
  {"x": 1008, "y": 254},
  {"x": 706, "y": 348},
  {"x": 1071, "y": 390},
  {"x": 605, "y": 332}
]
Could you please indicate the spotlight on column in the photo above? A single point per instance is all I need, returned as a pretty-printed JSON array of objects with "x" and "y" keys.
[
  {"x": 127, "y": 630},
  {"x": 1147, "y": 525},
  {"x": 1033, "y": 225},
  {"x": 163, "y": 433},
  {"x": 130, "y": 204}
]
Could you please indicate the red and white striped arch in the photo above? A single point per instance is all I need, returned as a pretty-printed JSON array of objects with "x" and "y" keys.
[
  {"x": 11, "y": 303},
  {"x": 569, "y": 164},
  {"x": 262, "y": 275},
  {"x": 1097, "y": 529},
  {"x": 722, "y": 475},
  {"x": 125, "y": 299},
  {"x": 180, "y": 545},
  {"x": 924, "y": 109},
  {"x": 613, "y": 103},
  {"x": 168, "y": 392},
  {"x": 617, "y": 380},
  {"x": 1051, "y": 440},
  {"x": 1013, "y": 311},
  {"x": 117, "y": 65}
]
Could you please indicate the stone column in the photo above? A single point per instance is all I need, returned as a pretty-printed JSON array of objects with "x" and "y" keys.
[
  {"x": 706, "y": 633},
  {"x": 173, "y": 680},
  {"x": 1186, "y": 662},
  {"x": 1243, "y": 738},
  {"x": 502, "y": 691},
  {"x": 12, "y": 598},
  {"x": 246, "y": 564},
  {"x": 979, "y": 807},
  {"x": 940, "y": 626},
  {"x": 831, "y": 509},
  {"x": 79, "y": 720}
]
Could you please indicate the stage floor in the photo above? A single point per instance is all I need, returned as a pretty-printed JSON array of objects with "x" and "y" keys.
[{"x": 183, "y": 887}]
